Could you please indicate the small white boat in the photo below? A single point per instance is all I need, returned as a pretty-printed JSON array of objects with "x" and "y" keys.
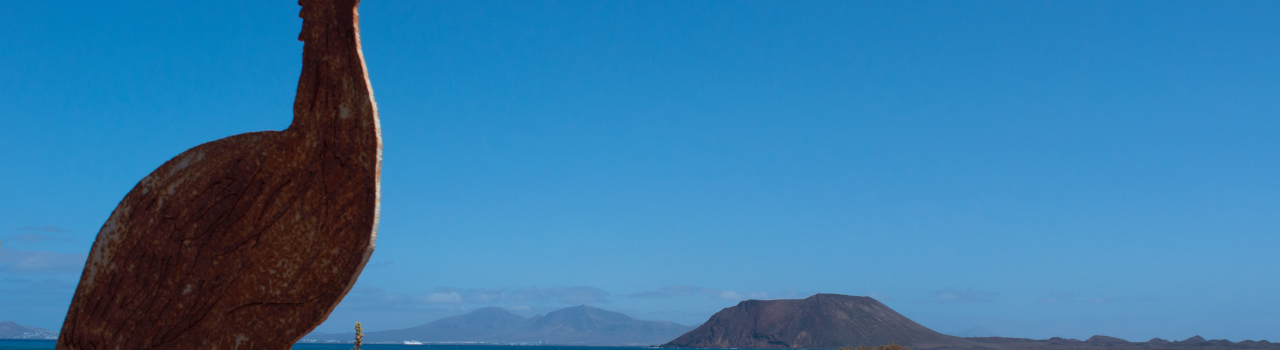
[{"x": 412, "y": 342}]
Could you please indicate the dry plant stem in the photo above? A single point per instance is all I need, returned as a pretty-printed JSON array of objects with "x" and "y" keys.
[{"x": 359, "y": 336}]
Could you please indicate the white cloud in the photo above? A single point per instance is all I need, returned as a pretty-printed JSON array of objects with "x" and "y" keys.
[
  {"x": 1069, "y": 298},
  {"x": 731, "y": 295},
  {"x": 39, "y": 237},
  {"x": 1099, "y": 300},
  {"x": 44, "y": 286},
  {"x": 45, "y": 228},
  {"x": 41, "y": 262},
  {"x": 559, "y": 295},
  {"x": 676, "y": 291},
  {"x": 1059, "y": 298},
  {"x": 686, "y": 291},
  {"x": 450, "y": 297},
  {"x": 454, "y": 298},
  {"x": 951, "y": 295}
]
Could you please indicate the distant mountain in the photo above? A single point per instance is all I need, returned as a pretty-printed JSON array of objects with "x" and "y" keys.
[
  {"x": 1099, "y": 342},
  {"x": 10, "y": 330},
  {"x": 579, "y": 325},
  {"x": 1102, "y": 339},
  {"x": 822, "y": 321},
  {"x": 482, "y": 325},
  {"x": 592, "y": 326},
  {"x": 829, "y": 321}
]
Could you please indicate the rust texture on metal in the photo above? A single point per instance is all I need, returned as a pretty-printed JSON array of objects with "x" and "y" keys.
[{"x": 247, "y": 242}]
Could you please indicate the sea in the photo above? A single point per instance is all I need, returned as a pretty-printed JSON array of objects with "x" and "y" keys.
[{"x": 23, "y": 344}]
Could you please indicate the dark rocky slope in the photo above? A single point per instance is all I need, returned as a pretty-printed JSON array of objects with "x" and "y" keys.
[
  {"x": 830, "y": 321},
  {"x": 822, "y": 321}
]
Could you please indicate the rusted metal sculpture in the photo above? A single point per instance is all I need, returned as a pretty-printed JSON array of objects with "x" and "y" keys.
[{"x": 247, "y": 242}]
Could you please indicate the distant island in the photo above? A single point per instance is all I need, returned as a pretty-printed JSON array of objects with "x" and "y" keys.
[
  {"x": 579, "y": 325},
  {"x": 1099, "y": 342},
  {"x": 10, "y": 330},
  {"x": 822, "y": 321},
  {"x": 829, "y": 321}
]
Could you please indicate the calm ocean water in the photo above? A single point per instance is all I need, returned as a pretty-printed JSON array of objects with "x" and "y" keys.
[{"x": 7, "y": 344}]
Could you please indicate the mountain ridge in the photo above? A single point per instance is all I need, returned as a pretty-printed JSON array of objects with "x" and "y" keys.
[
  {"x": 11, "y": 330},
  {"x": 830, "y": 321},
  {"x": 821, "y": 321},
  {"x": 578, "y": 325},
  {"x": 1097, "y": 342}
]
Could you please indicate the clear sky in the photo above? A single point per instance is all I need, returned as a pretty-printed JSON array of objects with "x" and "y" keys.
[{"x": 1035, "y": 168}]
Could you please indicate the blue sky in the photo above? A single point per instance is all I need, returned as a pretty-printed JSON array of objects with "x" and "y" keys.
[{"x": 1036, "y": 168}]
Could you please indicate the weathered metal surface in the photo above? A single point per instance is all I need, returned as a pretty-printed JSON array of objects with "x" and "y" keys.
[{"x": 247, "y": 242}]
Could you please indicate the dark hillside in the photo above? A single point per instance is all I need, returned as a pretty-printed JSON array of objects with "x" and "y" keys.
[
  {"x": 822, "y": 321},
  {"x": 10, "y": 330},
  {"x": 579, "y": 325},
  {"x": 593, "y": 326},
  {"x": 481, "y": 325}
]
